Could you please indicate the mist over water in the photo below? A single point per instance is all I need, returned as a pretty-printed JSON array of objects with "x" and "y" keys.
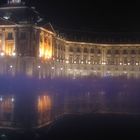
[
  {"x": 32, "y": 102},
  {"x": 109, "y": 85}
]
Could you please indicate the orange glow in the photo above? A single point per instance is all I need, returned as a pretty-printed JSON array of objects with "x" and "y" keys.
[
  {"x": 6, "y": 105},
  {"x": 0, "y": 43},
  {"x": 45, "y": 50},
  {"x": 9, "y": 48},
  {"x": 44, "y": 103}
]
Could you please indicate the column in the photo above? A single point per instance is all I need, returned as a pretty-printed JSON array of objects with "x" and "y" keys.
[
  {"x": 15, "y": 41},
  {"x": 3, "y": 40}
]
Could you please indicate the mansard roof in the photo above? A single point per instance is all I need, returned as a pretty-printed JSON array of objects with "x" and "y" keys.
[
  {"x": 49, "y": 27},
  {"x": 100, "y": 37},
  {"x": 20, "y": 14},
  {"x": 12, "y": 14},
  {"x": 6, "y": 22}
]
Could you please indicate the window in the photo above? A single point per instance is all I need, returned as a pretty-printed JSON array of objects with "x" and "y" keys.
[
  {"x": 108, "y": 51},
  {"x": 77, "y": 58},
  {"x": 99, "y": 51},
  {"x": 125, "y": 52},
  {"x": 78, "y": 50},
  {"x": 85, "y": 50},
  {"x": 133, "y": 52},
  {"x": 132, "y": 61},
  {"x": 116, "y": 51},
  {"x": 10, "y": 36},
  {"x": 92, "y": 50},
  {"x": 23, "y": 35},
  {"x": 84, "y": 59},
  {"x": 125, "y": 60},
  {"x": 71, "y": 49},
  {"x": 71, "y": 58}
]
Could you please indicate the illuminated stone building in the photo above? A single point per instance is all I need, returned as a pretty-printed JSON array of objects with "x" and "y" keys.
[{"x": 30, "y": 45}]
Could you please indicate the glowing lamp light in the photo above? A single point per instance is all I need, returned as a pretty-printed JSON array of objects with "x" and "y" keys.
[
  {"x": 48, "y": 57},
  {"x": 82, "y": 62},
  {"x": 52, "y": 68},
  {"x": 89, "y": 62},
  {"x": 137, "y": 64},
  {"x": 12, "y": 99},
  {"x": 67, "y": 61},
  {"x": 103, "y": 63},
  {"x": 14, "y": 54},
  {"x": 1, "y": 98},
  {"x": 120, "y": 63},
  {"x": 2, "y": 54},
  {"x": 11, "y": 66},
  {"x": 61, "y": 68},
  {"x": 128, "y": 63},
  {"x": 39, "y": 67},
  {"x": 74, "y": 62}
]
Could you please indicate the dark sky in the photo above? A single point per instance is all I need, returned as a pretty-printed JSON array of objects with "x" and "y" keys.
[
  {"x": 92, "y": 15},
  {"x": 95, "y": 15}
]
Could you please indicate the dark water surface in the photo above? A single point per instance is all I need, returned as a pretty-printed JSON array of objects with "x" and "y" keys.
[{"x": 56, "y": 108}]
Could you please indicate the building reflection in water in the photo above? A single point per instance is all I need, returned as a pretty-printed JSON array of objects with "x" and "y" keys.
[
  {"x": 7, "y": 104},
  {"x": 44, "y": 106},
  {"x": 37, "y": 110}
]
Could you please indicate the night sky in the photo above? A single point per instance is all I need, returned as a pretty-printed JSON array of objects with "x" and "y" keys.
[
  {"x": 88, "y": 15},
  {"x": 93, "y": 15}
]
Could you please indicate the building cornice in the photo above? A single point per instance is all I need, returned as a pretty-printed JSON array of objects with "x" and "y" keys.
[
  {"x": 98, "y": 44},
  {"x": 13, "y": 7}
]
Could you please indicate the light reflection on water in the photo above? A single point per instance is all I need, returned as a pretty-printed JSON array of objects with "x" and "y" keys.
[{"x": 29, "y": 103}]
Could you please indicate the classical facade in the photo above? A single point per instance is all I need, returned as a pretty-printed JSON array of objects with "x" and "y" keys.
[{"x": 31, "y": 46}]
